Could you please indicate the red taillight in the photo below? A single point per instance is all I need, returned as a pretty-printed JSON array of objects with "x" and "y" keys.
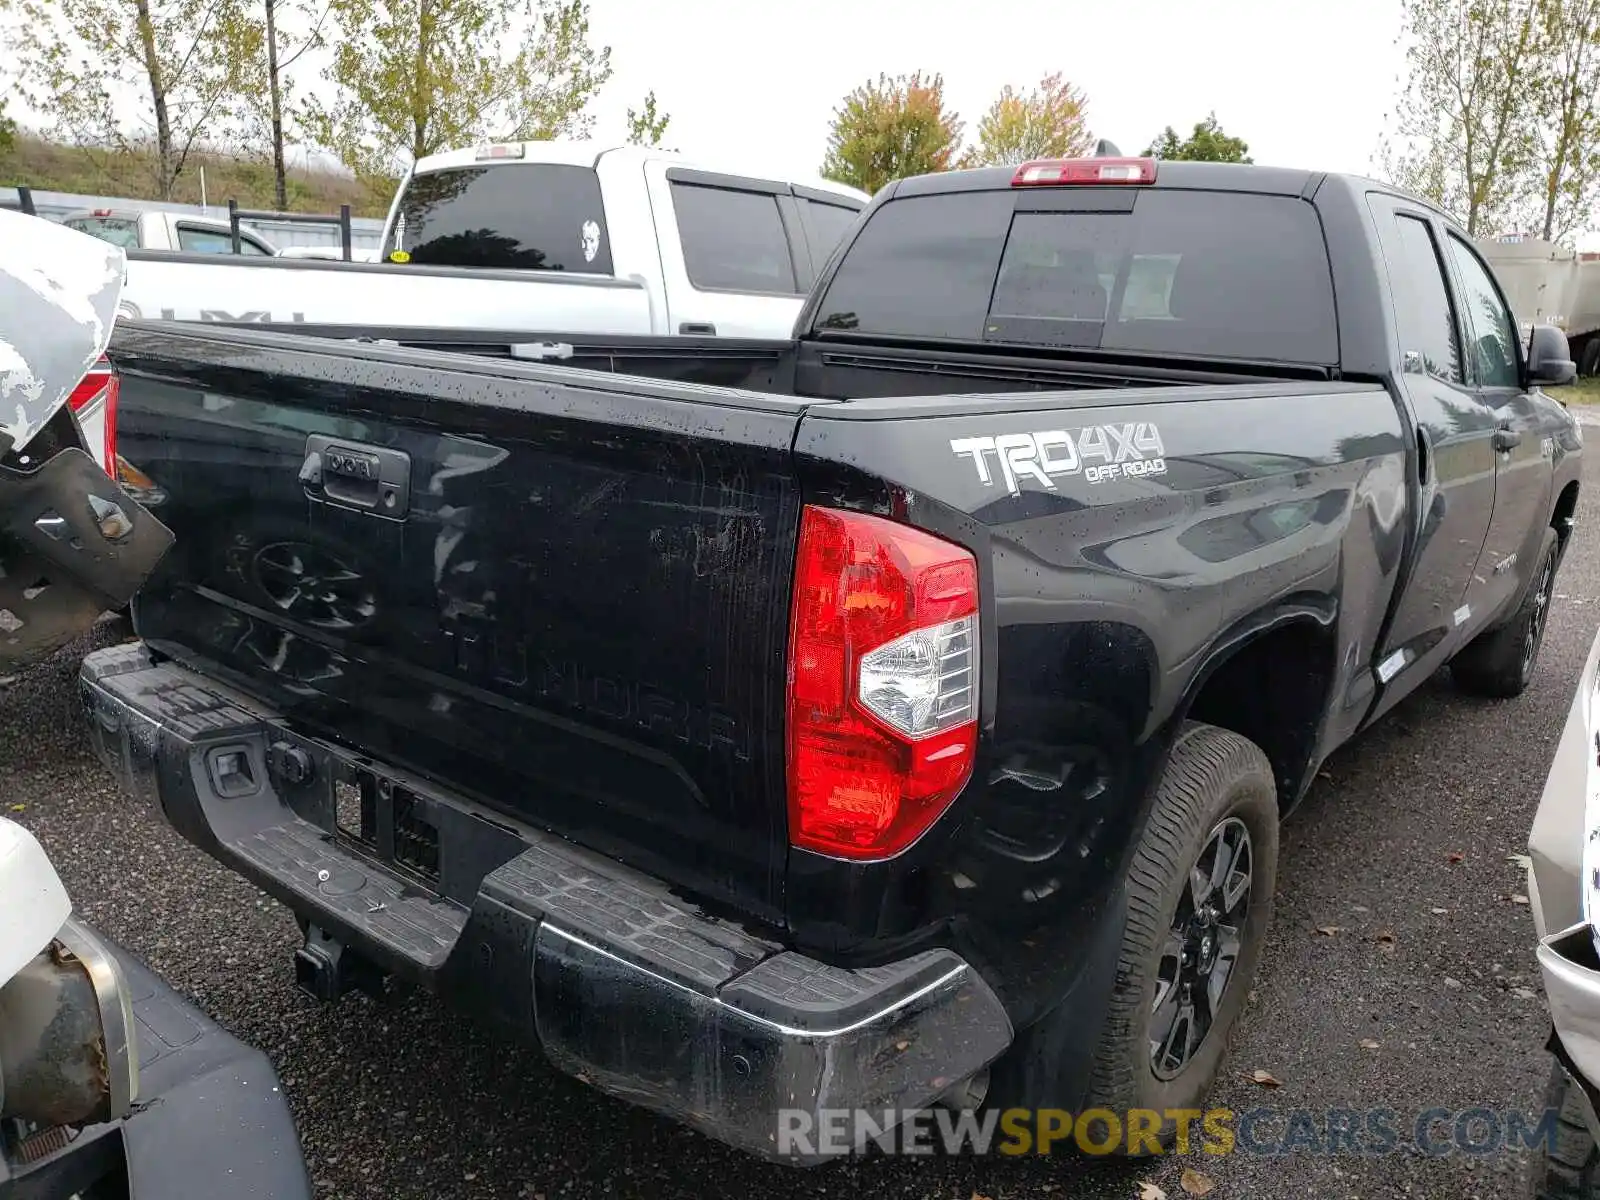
[
  {"x": 1047, "y": 172},
  {"x": 883, "y": 683},
  {"x": 94, "y": 401}
]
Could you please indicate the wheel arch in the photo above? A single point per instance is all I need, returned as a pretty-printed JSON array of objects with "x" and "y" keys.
[{"x": 1269, "y": 678}]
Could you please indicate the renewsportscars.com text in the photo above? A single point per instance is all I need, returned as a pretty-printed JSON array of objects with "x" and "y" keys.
[{"x": 1264, "y": 1131}]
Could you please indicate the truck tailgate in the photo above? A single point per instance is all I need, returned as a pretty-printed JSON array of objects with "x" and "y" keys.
[{"x": 567, "y": 601}]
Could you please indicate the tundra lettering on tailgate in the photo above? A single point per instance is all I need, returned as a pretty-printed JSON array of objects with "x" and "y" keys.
[{"x": 1097, "y": 452}]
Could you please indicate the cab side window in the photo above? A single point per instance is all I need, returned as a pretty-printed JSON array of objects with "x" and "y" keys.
[
  {"x": 1493, "y": 333},
  {"x": 1427, "y": 323}
]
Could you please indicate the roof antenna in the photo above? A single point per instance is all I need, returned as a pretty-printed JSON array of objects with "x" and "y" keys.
[{"x": 1106, "y": 148}]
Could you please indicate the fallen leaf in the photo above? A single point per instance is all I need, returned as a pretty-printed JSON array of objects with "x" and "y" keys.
[
  {"x": 1196, "y": 1184},
  {"x": 1263, "y": 1078},
  {"x": 1455, "y": 856},
  {"x": 1519, "y": 898},
  {"x": 1369, "y": 1044},
  {"x": 19, "y": 808},
  {"x": 1439, "y": 912},
  {"x": 979, "y": 1196},
  {"x": 902, "y": 1045},
  {"x": 1522, "y": 860},
  {"x": 1149, "y": 1191},
  {"x": 1328, "y": 930}
]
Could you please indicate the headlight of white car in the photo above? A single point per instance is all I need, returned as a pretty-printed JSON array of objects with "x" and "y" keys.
[{"x": 67, "y": 1056}]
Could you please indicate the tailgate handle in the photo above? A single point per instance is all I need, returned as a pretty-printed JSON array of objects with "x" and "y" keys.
[{"x": 374, "y": 479}]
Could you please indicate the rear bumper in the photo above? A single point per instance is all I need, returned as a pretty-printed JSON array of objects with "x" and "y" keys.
[
  {"x": 621, "y": 982},
  {"x": 209, "y": 1108}
]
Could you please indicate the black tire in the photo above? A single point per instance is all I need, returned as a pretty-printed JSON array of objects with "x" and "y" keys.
[
  {"x": 1569, "y": 1170},
  {"x": 1499, "y": 663},
  {"x": 1589, "y": 359},
  {"x": 1216, "y": 782}
]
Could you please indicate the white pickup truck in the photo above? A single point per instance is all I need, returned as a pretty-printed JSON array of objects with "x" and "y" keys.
[
  {"x": 177, "y": 232},
  {"x": 576, "y": 237}
]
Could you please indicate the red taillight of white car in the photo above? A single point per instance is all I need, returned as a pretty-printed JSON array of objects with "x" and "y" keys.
[
  {"x": 94, "y": 402},
  {"x": 883, "y": 683}
]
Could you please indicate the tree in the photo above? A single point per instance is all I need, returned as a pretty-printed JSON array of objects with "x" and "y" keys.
[
  {"x": 1048, "y": 122},
  {"x": 890, "y": 129},
  {"x": 1467, "y": 117},
  {"x": 1206, "y": 144},
  {"x": 413, "y": 77},
  {"x": 646, "y": 127},
  {"x": 289, "y": 28},
  {"x": 1566, "y": 87},
  {"x": 121, "y": 73},
  {"x": 8, "y": 129}
]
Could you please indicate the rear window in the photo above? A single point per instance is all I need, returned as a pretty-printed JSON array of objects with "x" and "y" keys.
[
  {"x": 1183, "y": 273},
  {"x": 535, "y": 217},
  {"x": 119, "y": 231}
]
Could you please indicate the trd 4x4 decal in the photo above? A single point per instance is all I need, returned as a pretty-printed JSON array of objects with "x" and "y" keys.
[{"x": 1096, "y": 452}]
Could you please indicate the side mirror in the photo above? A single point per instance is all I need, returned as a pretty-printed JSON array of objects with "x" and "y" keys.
[{"x": 1550, "y": 358}]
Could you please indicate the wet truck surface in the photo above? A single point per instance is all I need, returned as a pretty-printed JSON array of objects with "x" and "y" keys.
[{"x": 895, "y": 716}]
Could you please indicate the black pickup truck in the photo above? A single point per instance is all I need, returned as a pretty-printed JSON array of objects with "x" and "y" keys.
[{"x": 897, "y": 716}]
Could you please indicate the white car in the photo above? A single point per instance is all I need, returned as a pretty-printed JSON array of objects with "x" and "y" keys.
[
  {"x": 1564, "y": 893},
  {"x": 550, "y": 236}
]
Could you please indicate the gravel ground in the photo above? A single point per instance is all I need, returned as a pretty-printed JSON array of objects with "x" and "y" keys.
[{"x": 1406, "y": 834}]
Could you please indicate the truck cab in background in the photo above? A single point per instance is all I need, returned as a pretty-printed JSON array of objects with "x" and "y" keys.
[{"x": 170, "y": 231}]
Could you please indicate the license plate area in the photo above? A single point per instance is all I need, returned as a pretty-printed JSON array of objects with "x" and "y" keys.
[{"x": 384, "y": 819}]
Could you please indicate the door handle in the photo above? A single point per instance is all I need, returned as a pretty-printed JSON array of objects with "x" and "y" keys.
[
  {"x": 374, "y": 479},
  {"x": 694, "y": 328},
  {"x": 1507, "y": 438}
]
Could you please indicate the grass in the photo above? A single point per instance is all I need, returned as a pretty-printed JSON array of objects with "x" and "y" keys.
[
  {"x": 88, "y": 170},
  {"x": 1584, "y": 391}
]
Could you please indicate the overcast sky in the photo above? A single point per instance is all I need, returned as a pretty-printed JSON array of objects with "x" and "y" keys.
[{"x": 1306, "y": 84}]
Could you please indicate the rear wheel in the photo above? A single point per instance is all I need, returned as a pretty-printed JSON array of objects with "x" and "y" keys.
[
  {"x": 1199, "y": 902},
  {"x": 1499, "y": 663},
  {"x": 1569, "y": 1169}
]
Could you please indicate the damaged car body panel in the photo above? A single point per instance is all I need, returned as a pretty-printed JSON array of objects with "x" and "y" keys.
[{"x": 73, "y": 544}]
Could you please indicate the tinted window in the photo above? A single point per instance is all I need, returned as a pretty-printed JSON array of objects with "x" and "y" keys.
[
  {"x": 192, "y": 240},
  {"x": 733, "y": 240},
  {"x": 923, "y": 267},
  {"x": 1184, "y": 273},
  {"x": 826, "y": 225},
  {"x": 537, "y": 217},
  {"x": 119, "y": 231},
  {"x": 1494, "y": 335},
  {"x": 1422, "y": 302}
]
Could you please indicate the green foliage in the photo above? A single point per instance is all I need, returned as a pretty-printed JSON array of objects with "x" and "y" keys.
[
  {"x": 87, "y": 170},
  {"x": 646, "y": 127},
  {"x": 8, "y": 130},
  {"x": 1206, "y": 144},
  {"x": 114, "y": 73},
  {"x": 1566, "y": 126},
  {"x": 889, "y": 129},
  {"x": 1466, "y": 119},
  {"x": 1048, "y": 122},
  {"x": 414, "y": 77}
]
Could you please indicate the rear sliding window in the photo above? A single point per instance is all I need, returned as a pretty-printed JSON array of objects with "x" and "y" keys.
[
  {"x": 533, "y": 217},
  {"x": 1183, "y": 273}
]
